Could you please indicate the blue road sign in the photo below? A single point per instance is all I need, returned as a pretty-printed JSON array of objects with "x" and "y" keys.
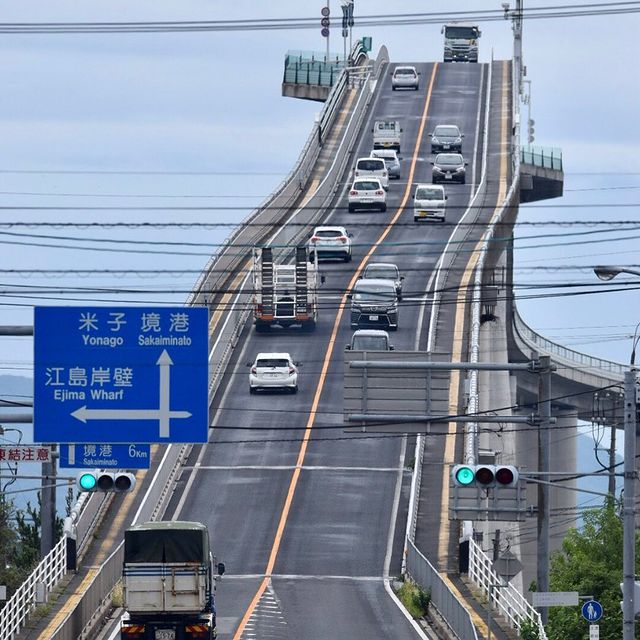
[
  {"x": 120, "y": 374},
  {"x": 105, "y": 456},
  {"x": 592, "y": 611}
]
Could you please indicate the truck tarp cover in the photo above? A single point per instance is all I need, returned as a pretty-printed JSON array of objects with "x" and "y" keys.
[{"x": 165, "y": 546}]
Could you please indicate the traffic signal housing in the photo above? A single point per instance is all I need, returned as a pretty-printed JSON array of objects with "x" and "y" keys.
[
  {"x": 484, "y": 475},
  {"x": 531, "y": 133},
  {"x": 105, "y": 481}
]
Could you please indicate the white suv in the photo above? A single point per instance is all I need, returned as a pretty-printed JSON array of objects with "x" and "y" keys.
[
  {"x": 330, "y": 242},
  {"x": 405, "y": 78},
  {"x": 273, "y": 371},
  {"x": 372, "y": 168},
  {"x": 367, "y": 193}
]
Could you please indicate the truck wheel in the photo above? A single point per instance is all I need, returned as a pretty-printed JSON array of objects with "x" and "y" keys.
[
  {"x": 309, "y": 326},
  {"x": 262, "y": 327}
]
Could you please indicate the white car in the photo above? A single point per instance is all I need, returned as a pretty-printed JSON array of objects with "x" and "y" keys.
[
  {"x": 405, "y": 78},
  {"x": 372, "y": 168},
  {"x": 429, "y": 201},
  {"x": 330, "y": 242},
  {"x": 367, "y": 193},
  {"x": 273, "y": 371}
]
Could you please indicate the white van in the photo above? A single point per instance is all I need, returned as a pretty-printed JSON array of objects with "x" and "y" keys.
[
  {"x": 372, "y": 168},
  {"x": 429, "y": 201}
]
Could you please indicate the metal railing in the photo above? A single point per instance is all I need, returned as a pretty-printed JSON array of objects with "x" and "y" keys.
[
  {"x": 590, "y": 364},
  {"x": 442, "y": 597},
  {"x": 312, "y": 67},
  {"x": 50, "y": 571},
  {"x": 547, "y": 157},
  {"x": 501, "y": 595}
]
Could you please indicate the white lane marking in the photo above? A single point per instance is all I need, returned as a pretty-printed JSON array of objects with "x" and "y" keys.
[{"x": 394, "y": 509}]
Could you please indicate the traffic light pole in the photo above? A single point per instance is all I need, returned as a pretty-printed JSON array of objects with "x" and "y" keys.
[
  {"x": 628, "y": 510},
  {"x": 544, "y": 439}
]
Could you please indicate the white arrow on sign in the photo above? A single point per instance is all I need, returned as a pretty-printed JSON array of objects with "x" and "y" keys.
[{"x": 163, "y": 414}]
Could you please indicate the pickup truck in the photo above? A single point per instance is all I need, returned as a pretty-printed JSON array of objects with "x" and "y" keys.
[{"x": 387, "y": 134}]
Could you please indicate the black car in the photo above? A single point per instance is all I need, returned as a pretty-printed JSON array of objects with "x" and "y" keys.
[
  {"x": 446, "y": 137},
  {"x": 449, "y": 167}
]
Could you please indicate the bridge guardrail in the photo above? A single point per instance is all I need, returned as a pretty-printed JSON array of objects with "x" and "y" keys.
[
  {"x": 506, "y": 597},
  {"x": 160, "y": 490},
  {"x": 591, "y": 364},
  {"x": 546, "y": 157}
]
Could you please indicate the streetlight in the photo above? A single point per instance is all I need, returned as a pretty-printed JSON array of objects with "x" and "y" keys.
[{"x": 630, "y": 476}]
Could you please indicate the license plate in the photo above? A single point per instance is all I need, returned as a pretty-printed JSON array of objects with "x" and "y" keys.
[
  {"x": 448, "y": 176},
  {"x": 165, "y": 634},
  {"x": 366, "y": 201},
  {"x": 446, "y": 146},
  {"x": 373, "y": 318}
]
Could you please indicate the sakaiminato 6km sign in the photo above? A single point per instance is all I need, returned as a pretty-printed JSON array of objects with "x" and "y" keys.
[{"x": 120, "y": 374}]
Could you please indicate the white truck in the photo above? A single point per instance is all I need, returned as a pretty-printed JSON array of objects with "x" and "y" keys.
[
  {"x": 168, "y": 582},
  {"x": 387, "y": 134},
  {"x": 285, "y": 294},
  {"x": 461, "y": 42}
]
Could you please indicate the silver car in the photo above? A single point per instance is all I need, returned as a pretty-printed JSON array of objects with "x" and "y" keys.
[
  {"x": 405, "y": 78},
  {"x": 391, "y": 161},
  {"x": 385, "y": 271}
]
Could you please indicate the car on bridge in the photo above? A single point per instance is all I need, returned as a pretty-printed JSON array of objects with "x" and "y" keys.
[
  {"x": 385, "y": 271},
  {"x": 367, "y": 193},
  {"x": 330, "y": 242},
  {"x": 405, "y": 78},
  {"x": 429, "y": 202},
  {"x": 374, "y": 302},
  {"x": 391, "y": 160},
  {"x": 273, "y": 371},
  {"x": 449, "y": 166},
  {"x": 370, "y": 340},
  {"x": 446, "y": 137}
]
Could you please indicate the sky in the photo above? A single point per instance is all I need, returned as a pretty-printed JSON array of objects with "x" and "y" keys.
[{"x": 168, "y": 121}]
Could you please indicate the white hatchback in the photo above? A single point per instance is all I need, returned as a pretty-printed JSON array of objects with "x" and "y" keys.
[
  {"x": 372, "y": 168},
  {"x": 367, "y": 193},
  {"x": 330, "y": 242},
  {"x": 273, "y": 371},
  {"x": 405, "y": 78}
]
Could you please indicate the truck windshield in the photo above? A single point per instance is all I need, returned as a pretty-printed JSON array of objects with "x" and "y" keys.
[
  {"x": 429, "y": 194},
  {"x": 373, "y": 292},
  {"x": 369, "y": 343},
  {"x": 462, "y": 33}
]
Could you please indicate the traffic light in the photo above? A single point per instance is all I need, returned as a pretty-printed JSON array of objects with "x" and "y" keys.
[
  {"x": 636, "y": 597},
  {"x": 484, "y": 475},
  {"x": 531, "y": 131},
  {"x": 105, "y": 481}
]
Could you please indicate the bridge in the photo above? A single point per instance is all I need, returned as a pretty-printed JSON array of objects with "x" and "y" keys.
[{"x": 313, "y": 520}]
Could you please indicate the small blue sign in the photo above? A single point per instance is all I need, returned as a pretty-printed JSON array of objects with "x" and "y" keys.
[
  {"x": 105, "y": 456},
  {"x": 592, "y": 611},
  {"x": 121, "y": 374}
]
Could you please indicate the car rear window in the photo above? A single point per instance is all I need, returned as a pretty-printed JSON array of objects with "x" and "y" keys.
[
  {"x": 384, "y": 273},
  {"x": 429, "y": 194},
  {"x": 366, "y": 185},
  {"x": 328, "y": 233},
  {"x": 374, "y": 164},
  {"x": 405, "y": 72},
  {"x": 369, "y": 343},
  {"x": 272, "y": 362}
]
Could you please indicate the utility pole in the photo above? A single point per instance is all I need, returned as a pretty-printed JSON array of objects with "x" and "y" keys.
[
  {"x": 544, "y": 439},
  {"x": 628, "y": 507},
  {"x": 516, "y": 20},
  {"x": 48, "y": 505}
]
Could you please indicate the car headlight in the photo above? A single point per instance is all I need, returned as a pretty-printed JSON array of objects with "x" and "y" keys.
[{"x": 434, "y": 139}]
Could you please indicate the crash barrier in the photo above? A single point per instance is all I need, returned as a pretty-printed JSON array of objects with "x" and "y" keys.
[
  {"x": 34, "y": 589},
  {"x": 546, "y": 157},
  {"x": 275, "y": 211},
  {"x": 455, "y": 614},
  {"x": 501, "y": 595}
]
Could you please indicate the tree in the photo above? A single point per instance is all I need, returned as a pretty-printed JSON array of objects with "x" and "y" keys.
[{"x": 590, "y": 562}]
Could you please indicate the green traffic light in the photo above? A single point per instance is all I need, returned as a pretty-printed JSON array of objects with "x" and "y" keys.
[
  {"x": 465, "y": 475},
  {"x": 87, "y": 481}
]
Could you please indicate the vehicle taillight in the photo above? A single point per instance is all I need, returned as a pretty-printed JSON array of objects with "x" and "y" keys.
[
  {"x": 291, "y": 371},
  {"x": 314, "y": 239},
  {"x": 254, "y": 370},
  {"x": 380, "y": 192},
  {"x": 353, "y": 193},
  {"x": 357, "y": 173},
  {"x": 342, "y": 239},
  {"x": 384, "y": 174}
]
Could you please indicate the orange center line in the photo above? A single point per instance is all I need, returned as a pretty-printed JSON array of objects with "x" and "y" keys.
[{"x": 323, "y": 374}]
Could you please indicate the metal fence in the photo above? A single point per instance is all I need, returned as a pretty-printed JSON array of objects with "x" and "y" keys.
[
  {"x": 547, "y": 157},
  {"x": 50, "y": 571},
  {"x": 442, "y": 597},
  {"x": 501, "y": 595}
]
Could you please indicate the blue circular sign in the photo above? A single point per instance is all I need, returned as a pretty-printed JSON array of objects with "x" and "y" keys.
[{"x": 592, "y": 611}]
